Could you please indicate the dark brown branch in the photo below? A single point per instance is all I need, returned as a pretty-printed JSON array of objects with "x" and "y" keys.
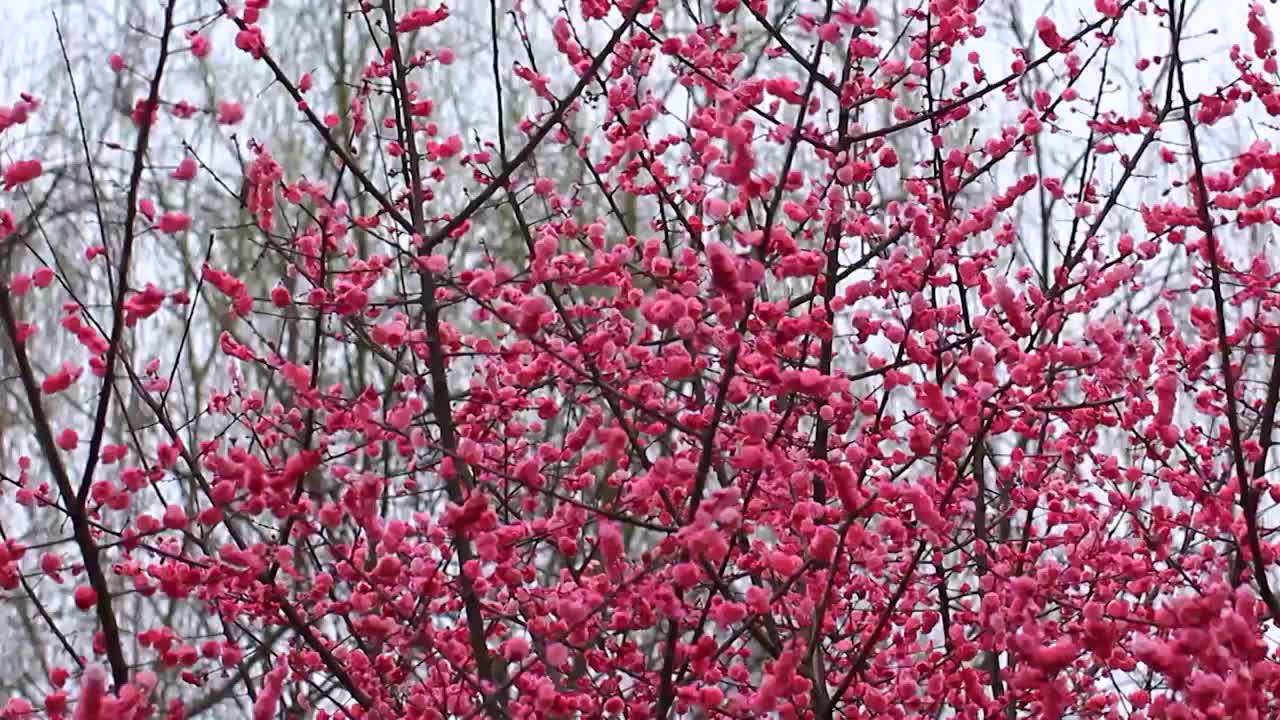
[
  {"x": 81, "y": 531},
  {"x": 1248, "y": 494}
]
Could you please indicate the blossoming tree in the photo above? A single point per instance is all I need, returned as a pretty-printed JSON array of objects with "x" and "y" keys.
[{"x": 796, "y": 358}]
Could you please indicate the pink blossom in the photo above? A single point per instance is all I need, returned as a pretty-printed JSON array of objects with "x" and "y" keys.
[
  {"x": 68, "y": 439},
  {"x": 229, "y": 112},
  {"x": 199, "y": 44},
  {"x": 85, "y": 597},
  {"x": 21, "y": 172},
  {"x": 419, "y": 18},
  {"x": 185, "y": 170},
  {"x": 174, "y": 222}
]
